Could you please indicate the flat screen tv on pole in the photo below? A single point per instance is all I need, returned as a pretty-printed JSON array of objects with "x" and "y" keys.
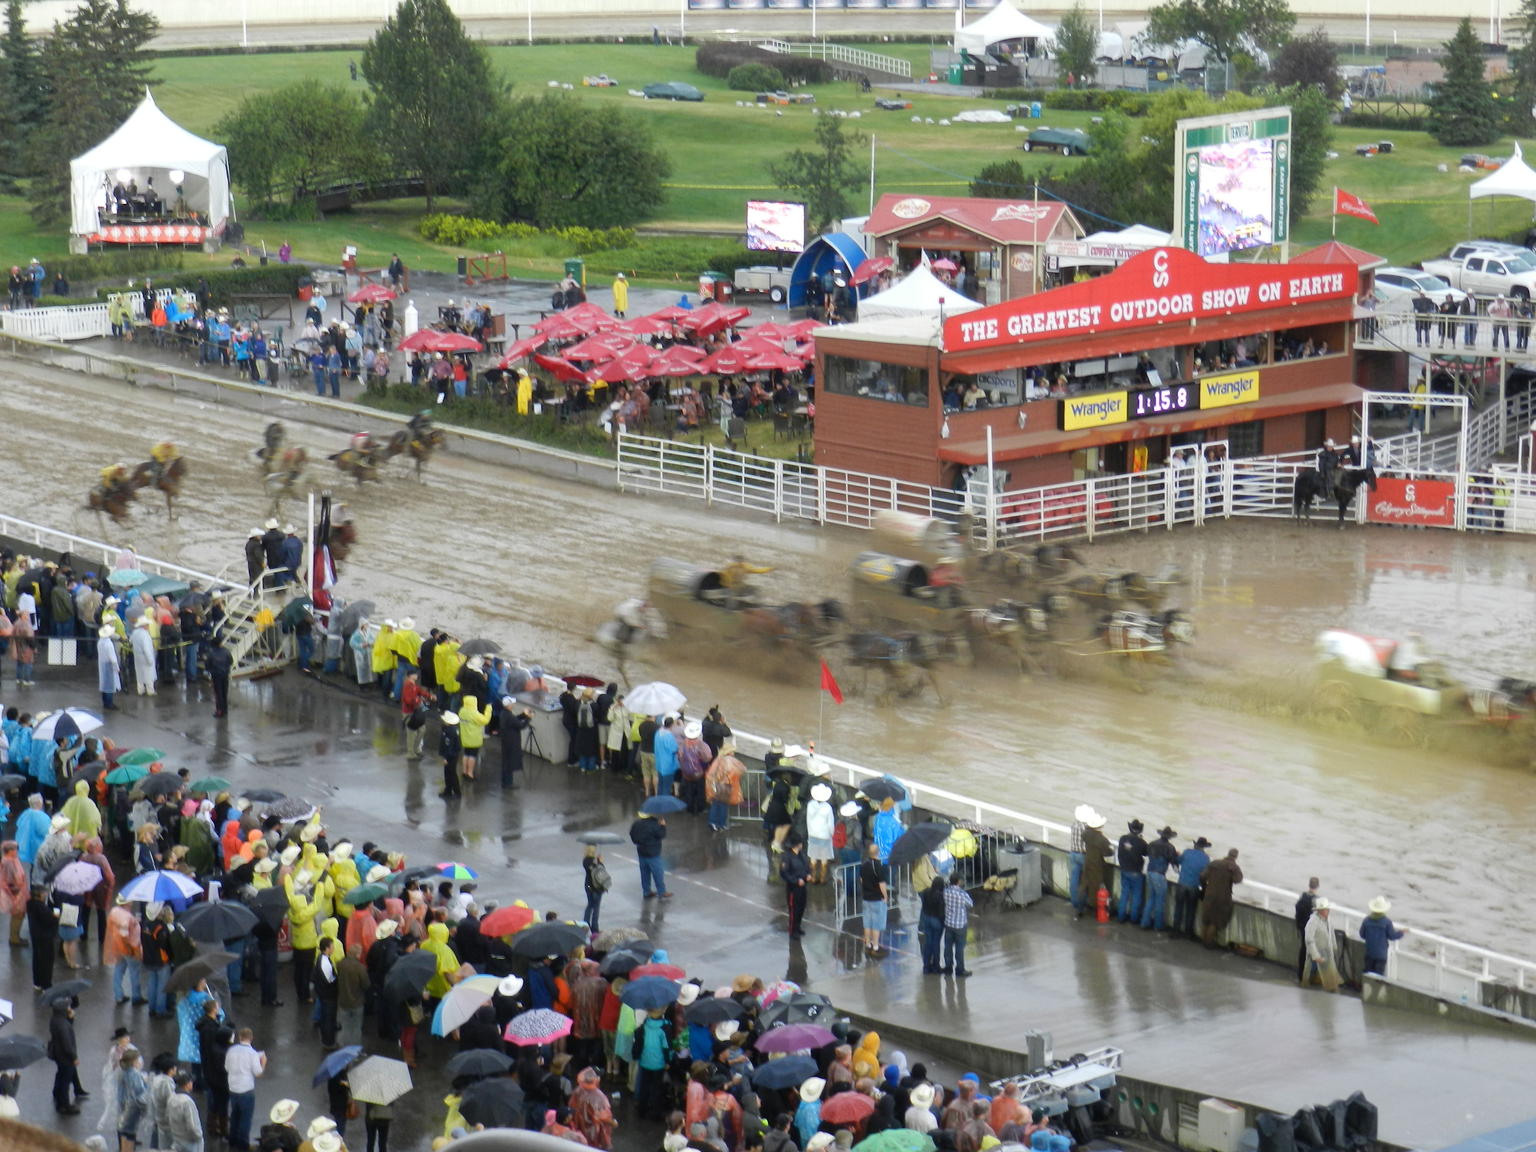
[
  {"x": 1234, "y": 189},
  {"x": 775, "y": 226}
]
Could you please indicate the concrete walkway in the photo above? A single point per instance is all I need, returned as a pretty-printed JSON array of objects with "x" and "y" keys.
[{"x": 1208, "y": 1021}]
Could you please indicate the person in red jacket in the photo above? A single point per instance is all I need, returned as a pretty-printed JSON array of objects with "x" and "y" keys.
[{"x": 412, "y": 696}]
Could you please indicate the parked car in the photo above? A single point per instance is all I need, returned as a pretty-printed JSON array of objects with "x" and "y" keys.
[
  {"x": 1488, "y": 272},
  {"x": 783, "y": 97},
  {"x": 892, "y": 103},
  {"x": 1067, "y": 141},
  {"x": 601, "y": 80},
  {"x": 672, "y": 90},
  {"x": 1397, "y": 287}
]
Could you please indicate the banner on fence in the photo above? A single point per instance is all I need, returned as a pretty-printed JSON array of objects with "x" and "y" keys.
[{"x": 1398, "y": 500}]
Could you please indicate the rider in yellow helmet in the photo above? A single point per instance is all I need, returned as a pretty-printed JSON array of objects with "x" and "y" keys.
[
  {"x": 114, "y": 476},
  {"x": 164, "y": 452}
]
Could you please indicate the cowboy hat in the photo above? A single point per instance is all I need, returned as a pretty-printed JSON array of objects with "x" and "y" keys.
[
  {"x": 386, "y": 929},
  {"x": 406, "y": 623},
  {"x": 288, "y": 855},
  {"x": 692, "y": 730},
  {"x": 1379, "y": 906},
  {"x": 342, "y": 851},
  {"x": 851, "y": 808},
  {"x": 810, "y": 1090},
  {"x": 266, "y": 865},
  {"x": 476, "y": 663},
  {"x": 1081, "y": 813},
  {"x": 59, "y": 823},
  {"x": 303, "y": 878},
  {"x": 376, "y": 874},
  {"x": 450, "y": 718},
  {"x": 309, "y": 833},
  {"x": 289, "y": 529},
  {"x": 1167, "y": 832},
  {"x": 776, "y": 745},
  {"x": 1136, "y": 826},
  {"x": 820, "y": 792},
  {"x": 1095, "y": 820},
  {"x": 922, "y": 1095},
  {"x": 1202, "y": 842},
  {"x": 726, "y": 1029},
  {"x": 255, "y": 533},
  {"x": 283, "y": 1111},
  {"x": 320, "y": 1125},
  {"x": 687, "y": 994},
  {"x": 271, "y": 523},
  {"x": 510, "y": 986},
  {"x": 326, "y": 1142},
  {"x": 819, "y": 1141},
  {"x": 105, "y": 631},
  {"x": 1321, "y": 904}
]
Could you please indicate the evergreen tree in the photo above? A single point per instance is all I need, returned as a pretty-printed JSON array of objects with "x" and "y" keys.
[
  {"x": 20, "y": 94},
  {"x": 94, "y": 70},
  {"x": 1077, "y": 46},
  {"x": 1522, "y": 73},
  {"x": 1462, "y": 111},
  {"x": 430, "y": 92}
]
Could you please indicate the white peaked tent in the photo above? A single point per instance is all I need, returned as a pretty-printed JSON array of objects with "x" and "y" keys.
[
  {"x": 150, "y": 145},
  {"x": 919, "y": 293},
  {"x": 1005, "y": 22},
  {"x": 1513, "y": 178}
]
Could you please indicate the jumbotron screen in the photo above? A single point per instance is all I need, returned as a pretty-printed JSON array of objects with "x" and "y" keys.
[
  {"x": 1237, "y": 196},
  {"x": 775, "y": 226}
]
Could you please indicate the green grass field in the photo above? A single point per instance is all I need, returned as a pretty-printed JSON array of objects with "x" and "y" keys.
[{"x": 721, "y": 151}]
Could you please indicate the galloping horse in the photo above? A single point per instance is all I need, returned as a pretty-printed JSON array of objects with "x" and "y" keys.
[
  {"x": 633, "y": 622},
  {"x": 423, "y": 444},
  {"x": 1310, "y": 486},
  {"x": 361, "y": 459},
  {"x": 906, "y": 659},
  {"x": 1019, "y": 627},
  {"x": 271, "y": 446},
  {"x": 283, "y": 475},
  {"x": 165, "y": 471},
  {"x": 806, "y": 625},
  {"x": 113, "y": 499}
]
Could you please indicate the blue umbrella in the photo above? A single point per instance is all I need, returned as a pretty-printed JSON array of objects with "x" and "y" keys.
[
  {"x": 162, "y": 886},
  {"x": 787, "y": 1072},
  {"x": 650, "y": 993},
  {"x": 65, "y": 722},
  {"x": 663, "y": 806},
  {"x": 336, "y": 1062}
]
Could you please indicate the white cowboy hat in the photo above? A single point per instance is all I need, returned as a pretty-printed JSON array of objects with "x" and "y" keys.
[
  {"x": 851, "y": 808},
  {"x": 692, "y": 730},
  {"x": 271, "y": 523},
  {"x": 1095, "y": 820},
  {"x": 820, "y": 792},
  {"x": 303, "y": 878},
  {"x": 810, "y": 1090},
  {"x": 255, "y": 533},
  {"x": 111, "y": 600},
  {"x": 1379, "y": 905},
  {"x": 510, "y": 986},
  {"x": 105, "y": 631},
  {"x": 265, "y": 865},
  {"x": 450, "y": 718},
  {"x": 283, "y": 1111},
  {"x": 406, "y": 623},
  {"x": 288, "y": 855},
  {"x": 390, "y": 624},
  {"x": 1321, "y": 904},
  {"x": 1082, "y": 813},
  {"x": 922, "y": 1095},
  {"x": 376, "y": 874},
  {"x": 289, "y": 529},
  {"x": 309, "y": 833},
  {"x": 726, "y": 1029},
  {"x": 59, "y": 823},
  {"x": 319, "y": 1126},
  {"x": 687, "y": 994},
  {"x": 819, "y": 1141},
  {"x": 326, "y": 1142},
  {"x": 386, "y": 929},
  {"x": 476, "y": 663},
  {"x": 142, "y": 621},
  {"x": 342, "y": 851}
]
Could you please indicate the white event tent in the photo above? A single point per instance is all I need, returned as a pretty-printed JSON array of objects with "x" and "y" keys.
[
  {"x": 1005, "y": 22},
  {"x": 919, "y": 293},
  {"x": 1512, "y": 178},
  {"x": 151, "y": 146}
]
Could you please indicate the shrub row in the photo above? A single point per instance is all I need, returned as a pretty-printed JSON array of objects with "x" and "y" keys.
[
  {"x": 470, "y": 232},
  {"x": 718, "y": 57},
  {"x": 754, "y": 77},
  {"x": 115, "y": 265}
]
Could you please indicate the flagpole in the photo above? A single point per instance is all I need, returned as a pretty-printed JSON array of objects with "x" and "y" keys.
[
  {"x": 821, "y": 709},
  {"x": 1335, "y": 214}
]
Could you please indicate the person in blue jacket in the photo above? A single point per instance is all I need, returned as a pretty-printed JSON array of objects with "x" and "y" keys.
[
  {"x": 32, "y": 828},
  {"x": 1192, "y": 862},
  {"x": 1378, "y": 932}
]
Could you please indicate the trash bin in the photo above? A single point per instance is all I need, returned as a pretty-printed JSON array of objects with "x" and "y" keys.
[
  {"x": 957, "y": 74},
  {"x": 576, "y": 269},
  {"x": 1034, "y": 110},
  {"x": 463, "y": 267},
  {"x": 1026, "y": 880},
  {"x": 725, "y": 291},
  {"x": 707, "y": 282}
]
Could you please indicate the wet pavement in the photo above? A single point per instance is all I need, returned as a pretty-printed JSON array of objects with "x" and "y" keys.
[{"x": 1208, "y": 1021}]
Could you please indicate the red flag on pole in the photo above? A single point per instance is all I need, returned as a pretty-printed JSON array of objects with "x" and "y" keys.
[
  {"x": 829, "y": 683},
  {"x": 1348, "y": 204}
]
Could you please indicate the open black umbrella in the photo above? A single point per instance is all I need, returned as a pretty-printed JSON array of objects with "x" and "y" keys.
[
  {"x": 204, "y": 966},
  {"x": 787, "y": 1072},
  {"x": 622, "y": 961},
  {"x": 479, "y": 646},
  {"x": 883, "y": 789},
  {"x": 270, "y": 906},
  {"x": 158, "y": 785},
  {"x": 496, "y": 1103},
  {"x": 796, "y": 1008},
  {"x": 64, "y": 990},
  {"x": 264, "y": 795},
  {"x": 409, "y": 975},
  {"x": 919, "y": 840},
  {"x": 352, "y": 615},
  {"x": 650, "y": 993},
  {"x": 549, "y": 939},
  {"x": 479, "y": 1062},
  {"x": 11, "y": 781},
  {"x": 18, "y": 1052},
  {"x": 787, "y": 768},
  {"x": 712, "y": 1010},
  {"x": 396, "y": 881},
  {"x": 215, "y": 923}
]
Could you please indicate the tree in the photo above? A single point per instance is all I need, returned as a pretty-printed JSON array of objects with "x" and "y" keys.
[
  {"x": 823, "y": 174},
  {"x": 297, "y": 139},
  {"x": 1309, "y": 61},
  {"x": 94, "y": 70},
  {"x": 1462, "y": 111},
  {"x": 431, "y": 90},
  {"x": 20, "y": 94},
  {"x": 1222, "y": 26},
  {"x": 1002, "y": 180},
  {"x": 558, "y": 162},
  {"x": 1077, "y": 46},
  {"x": 1522, "y": 72}
]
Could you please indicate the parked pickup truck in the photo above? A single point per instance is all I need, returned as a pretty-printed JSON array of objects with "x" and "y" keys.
[
  {"x": 763, "y": 279},
  {"x": 1487, "y": 272}
]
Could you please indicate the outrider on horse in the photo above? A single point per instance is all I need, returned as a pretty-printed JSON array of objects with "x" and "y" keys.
[{"x": 1310, "y": 485}]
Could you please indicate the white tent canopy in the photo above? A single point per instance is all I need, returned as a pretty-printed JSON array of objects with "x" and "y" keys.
[
  {"x": 919, "y": 293},
  {"x": 149, "y": 147},
  {"x": 1513, "y": 178},
  {"x": 1005, "y": 22}
]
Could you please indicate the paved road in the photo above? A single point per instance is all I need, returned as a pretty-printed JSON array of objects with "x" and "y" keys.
[{"x": 1208, "y": 1021}]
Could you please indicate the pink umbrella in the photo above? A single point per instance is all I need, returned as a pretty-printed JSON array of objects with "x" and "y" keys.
[
  {"x": 847, "y": 1108},
  {"x": 667, "y": 971},
  {"x": 944, "y": 264},
  {"x": 372, "y": 294},
  {"x": 436, "y": 340},
  {"x": 520, "y": 350},
  {"x": 582, "y": 320},
  {"x": 793, "y": 1038},
  {"x": 871, "y": 268},
  {"x": 539, "y": 1026},
  {"x": 774, "y": 361}
]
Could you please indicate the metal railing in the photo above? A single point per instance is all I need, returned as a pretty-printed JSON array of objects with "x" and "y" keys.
[
  {"x": 96, "y": 551},
  {"x": 840, "y": 54}
]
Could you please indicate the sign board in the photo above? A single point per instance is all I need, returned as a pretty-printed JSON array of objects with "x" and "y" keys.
[
  {"x": 1400, "y": 500},
  {"x": 1096, "y": 411},
  {"x": 1165, "y": 285},
  {"x": 1234, "y": 186},
  {"x": 1101, "y": 409},
  {"x": 1229, "y": 388}
]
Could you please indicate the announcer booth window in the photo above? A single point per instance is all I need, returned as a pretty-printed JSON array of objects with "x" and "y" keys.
[
  {"x": 893, "y": 383},
  {"x": 1244, "y": 440}
]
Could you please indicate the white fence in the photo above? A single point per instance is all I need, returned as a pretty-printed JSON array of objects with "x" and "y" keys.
[{"x": 69, "y": 321}]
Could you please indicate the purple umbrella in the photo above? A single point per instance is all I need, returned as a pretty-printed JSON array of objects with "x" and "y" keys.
[
  {"x": 77, "y": 878},
  {"x": 793, "y": 1038}
]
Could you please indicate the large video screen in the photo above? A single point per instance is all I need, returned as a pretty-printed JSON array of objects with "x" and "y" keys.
[
  {"x": 1237, "y": 196},
  {"x": 775, "y": 226}
]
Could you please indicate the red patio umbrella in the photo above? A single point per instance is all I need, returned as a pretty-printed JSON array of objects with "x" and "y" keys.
[
  {"x": 582, "y": 320},
  {"x": 372, "y": 294},
  {"x": 506, "y": 920},
  {"x": 944, "y": 264},
  {"x": 669, "y": 971},
  {"x": 712, "y": 318},
  {"x": 603, "y": 347},
  {"x": 801, "y": 329},
  {"x": 654, "y": 325},
  {"x": 774, "y": 361},
  {"x": 520, "y": 350},
  {"x": 847, "y": 1108},
  {"x": 678, "y": 360},
  {"x": 728, "y": 362},
  {"x": 632, "y": 364},
  {"x": 560, "y": 369},
  {"x": 671, "y": 312},
  {"x": 436, "y": 340},
  {"x": 871, "y": 268}
]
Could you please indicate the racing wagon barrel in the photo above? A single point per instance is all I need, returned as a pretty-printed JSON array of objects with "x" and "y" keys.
[
  {"x": 677, "y": 578},
  {"x": 927, "y": 536},
  {"x": 882, "y": 570}
]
